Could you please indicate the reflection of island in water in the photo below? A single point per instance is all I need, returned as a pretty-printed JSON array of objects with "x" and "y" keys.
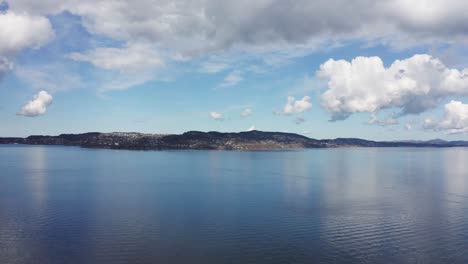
[
  {"x": 340, "y": 205},
  {"x": 251, "y": 140}
]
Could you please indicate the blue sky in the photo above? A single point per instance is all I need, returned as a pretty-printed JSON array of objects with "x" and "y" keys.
[{"x": 118, "y": 67}]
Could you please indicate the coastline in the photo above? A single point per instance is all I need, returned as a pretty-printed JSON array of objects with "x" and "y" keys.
[{"x": 195, "y": 140}]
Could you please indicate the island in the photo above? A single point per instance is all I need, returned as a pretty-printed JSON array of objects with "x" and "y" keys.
[{"x": 196, "y": 140}]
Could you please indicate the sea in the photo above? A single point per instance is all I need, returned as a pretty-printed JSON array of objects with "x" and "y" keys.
[{"x": 343, "y": 205}]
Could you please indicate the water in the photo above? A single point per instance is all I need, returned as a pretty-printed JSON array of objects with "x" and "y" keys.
[{"x": 353, "y": 205}]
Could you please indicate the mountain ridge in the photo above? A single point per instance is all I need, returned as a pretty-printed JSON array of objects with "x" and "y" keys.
[{"x": 248, "y": 140}]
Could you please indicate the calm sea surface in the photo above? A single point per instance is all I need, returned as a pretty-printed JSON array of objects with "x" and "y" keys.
[{"x": 353, "y": 205}]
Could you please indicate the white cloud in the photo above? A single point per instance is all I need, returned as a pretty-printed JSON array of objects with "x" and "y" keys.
[
  {"x": 125, "y": 67},
  {"x": 232, "y": 78},
  {"x": 217, "y": 116},
  {"x": 246, "y": 112},
  {"x": 131, "y": 58},
  {"x": 52, "y": 77},
  {"x": 454, "y": 121},
  {"x": 252, "y": 128},
  {"x": 37, "y": 106},
  {"x": 195, "y": 27},
  {"x": 59, "y": 77},
  {"x": 113, "y": 82},
  {"x": 294, "y": 106},
  {"x": 389, "y": 121},
  {"x": 158, "y": 32},
  {"x": 19, "y": 32},
  {"x": 412, "y": 85},
  {"x": 210, "y": 67},
  {"x": 172, "y": 31}
]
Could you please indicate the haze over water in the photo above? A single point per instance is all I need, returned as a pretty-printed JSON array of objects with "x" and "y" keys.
[{"x": 348, "y": 205}]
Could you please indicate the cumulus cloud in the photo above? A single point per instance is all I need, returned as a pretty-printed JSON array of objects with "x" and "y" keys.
[
  {"x": 247, "y": 112},
  {"x": 21, "y": 31},
  {"x": 185, "y": 29},
  {"x": 18, "y": 32},
  {"x": 37, "y": 106},
  {"x": 454, "y": 121},
  {"x": 412, "y": 85},
  {"x": 200, "y": 26},
  {"x": 193, "y": 28},
  {"x": 294, "y": 106},
  {"x": 217, "y": 116},
  {"x": 232, "y": 78}
]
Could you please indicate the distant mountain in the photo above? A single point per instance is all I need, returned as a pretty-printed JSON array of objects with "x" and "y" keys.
[
  {"x": 251, "y": 140},
  {"x": 432, "y": 141}
]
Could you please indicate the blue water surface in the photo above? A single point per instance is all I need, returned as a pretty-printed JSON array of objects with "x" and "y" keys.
[{"x": 348, "y": 205}]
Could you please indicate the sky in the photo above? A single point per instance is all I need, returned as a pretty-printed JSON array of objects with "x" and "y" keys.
[{"x": 381, "y": 70}]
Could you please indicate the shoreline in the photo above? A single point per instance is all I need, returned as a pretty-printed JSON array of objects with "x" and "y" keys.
[{"x": 195, "y": 140}]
